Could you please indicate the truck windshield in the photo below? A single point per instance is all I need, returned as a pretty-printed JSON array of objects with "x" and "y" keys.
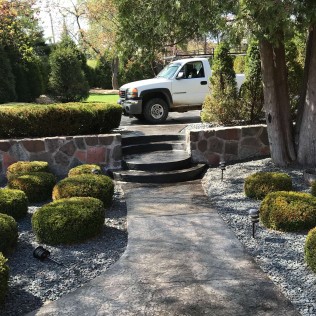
[{"x": 169, "y": 71}]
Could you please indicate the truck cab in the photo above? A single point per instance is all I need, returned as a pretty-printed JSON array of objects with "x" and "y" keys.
[{"x": 181, "y": 86}]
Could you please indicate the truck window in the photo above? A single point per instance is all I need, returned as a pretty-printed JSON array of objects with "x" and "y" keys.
[
  {"x": 193, "y": 70},
  {"x": 169, "y": 71}
]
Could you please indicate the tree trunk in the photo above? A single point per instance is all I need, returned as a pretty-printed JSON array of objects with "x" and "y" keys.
[
  {"x": 307, "y": 135},
  {"x": 276, "y": 103},
  {"x": 115, "y": 68}
]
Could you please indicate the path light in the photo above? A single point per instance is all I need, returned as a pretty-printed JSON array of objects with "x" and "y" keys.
[
  {"x": 254, "y": 217},
  {"x": 42, "y": 254},
  {"x": 222, "y": 166},
  {"x": 95, "y": 171}
]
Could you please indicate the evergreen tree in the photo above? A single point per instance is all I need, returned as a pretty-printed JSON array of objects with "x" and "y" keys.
[
  {"x": 7, "y": 82},
  {"x": 103, "y": 73},
  {"x": 67, "y": 81},
  {"x": 221, "y": 105}
]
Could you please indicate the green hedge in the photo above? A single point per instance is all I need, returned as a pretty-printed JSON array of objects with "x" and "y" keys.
[
  {"x": 68, "y": 221},
  {"x": 8, "y": 233},
  {"x": 314, "y": 188},
  {"x": 84, "y": 169},
  {"x": 97, "y": 186},
  {"x": 259, "y": 184},
  {"x": 4, "y": 278},
  {"x": 13, "y": 203},
  {"x": 37, "y": 186},
  {"x": 310, "y": 249},
  {"x": 58, "y": 119},
  {"x": 22, "y": 167},
  {"x": 288, "y": 211}
]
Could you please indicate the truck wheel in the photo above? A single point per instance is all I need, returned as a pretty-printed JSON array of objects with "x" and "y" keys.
[{"x": 156, "y": 111}]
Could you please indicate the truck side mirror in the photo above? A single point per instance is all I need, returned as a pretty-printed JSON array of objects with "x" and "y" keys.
[{"x": 180, "y": 75}]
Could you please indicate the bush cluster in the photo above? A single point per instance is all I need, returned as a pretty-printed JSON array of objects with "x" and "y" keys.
[
  {"x": 310, "y": 249},
  {"x": 13, "y": 203},
  {"x": 8, "y": 233},
  {"x": 314, "y": 188},
  {"x": 58, "y": 119},
  {"x": 84, "y": 169},
  {"x": 36, "y": 185},
  {"x": 23, "y": 167},
  {"x": 288, "y": 211},
  {"x": 69, "y": 220},
  {"x": 4, "y": 278},
  {"x": 86, "y": 185},
  {"x": 258, "y": 185}
]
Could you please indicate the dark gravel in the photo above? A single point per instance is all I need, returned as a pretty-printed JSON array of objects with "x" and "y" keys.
[{"x": 33, "y": 282}]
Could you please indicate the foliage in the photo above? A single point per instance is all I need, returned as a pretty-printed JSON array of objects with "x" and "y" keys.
[
  {"x": 67, "y": 81},
  {"x": 22, "y": 167},
  {"x": 7, "y": 81},
  {"x": 259, "y": 184},
  {"x": 288, "y": 211},
  {"x": 13, "y": 203},
  {"x": 8, "y": 233},
  {"x": 4, "y": 278},
  {"x": 251, "y": 91},
  {"x": 221, "y": 105},
  {"x": 97, "y": 186},
  {"x": 58, "y": 119},
  {"x": 68, "y": 221},
  {"x": 36, "y": 185},
  {"x": 103, "y": 73},
  {"x": 239, "y": 64},
  {"x": 314, "y": 188},
  {"x": 84, "y": 169},
  {"x": 310, "y": 249}
]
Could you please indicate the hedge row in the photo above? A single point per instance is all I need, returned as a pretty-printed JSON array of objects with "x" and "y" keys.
[{"x": 58, "y": 119}]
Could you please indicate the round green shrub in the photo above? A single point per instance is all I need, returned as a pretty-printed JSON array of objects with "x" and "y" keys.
[
  {"x": 310, "y": 249},
  {"x": 314, "y": 188},
  {"x": 36, "y": 185},
  {"x": 97, "y": 186},
  {"x": 68, "y": 221},
  {"x": 288, "y": 211},
  {"x": 84, "y": 169},
  {"x": 4, "y": 278},
  {"x": 22, "y": 167},
  {"x": 13, "y": 203},
  {"x": 8, "y": 233},
  {"x": 258, "y": 185}
]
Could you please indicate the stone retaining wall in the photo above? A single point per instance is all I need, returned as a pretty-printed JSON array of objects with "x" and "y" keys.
[
  {"x": 228, "y": 144},
  {"x": 62, "y": 153}
]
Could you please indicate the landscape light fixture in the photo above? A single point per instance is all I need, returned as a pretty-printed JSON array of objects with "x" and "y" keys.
[
  {"x": 95, "y": 171},
  {"x": 41, "y": 253},
  {"x": 222, "y": 166},
  {"x": 254, "y": 217}
]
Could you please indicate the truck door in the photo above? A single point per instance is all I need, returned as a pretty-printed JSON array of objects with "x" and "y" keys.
[{"x": 190, "y": 86}]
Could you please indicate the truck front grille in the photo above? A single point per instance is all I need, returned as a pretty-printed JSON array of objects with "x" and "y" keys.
[{"x": 122, "y": 94}]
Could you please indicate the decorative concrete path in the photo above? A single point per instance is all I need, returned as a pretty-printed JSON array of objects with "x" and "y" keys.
[{"x": 181, "y": 259}]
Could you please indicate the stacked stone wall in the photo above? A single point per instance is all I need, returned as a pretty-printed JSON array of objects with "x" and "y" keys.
[
  {"x": 63, "y": 153},
  {"x": 228, "y": 144}
]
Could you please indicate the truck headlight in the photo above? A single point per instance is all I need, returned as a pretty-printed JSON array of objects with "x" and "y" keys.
[{"x": 132, "y": 93}]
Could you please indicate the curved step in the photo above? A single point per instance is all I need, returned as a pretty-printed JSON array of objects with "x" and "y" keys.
[
  {"x": 158, "y": 161},
  {"x": 145, "y": 139},
  {"x": 188, "y": 174},
  {"x": 150, "y": 147}
]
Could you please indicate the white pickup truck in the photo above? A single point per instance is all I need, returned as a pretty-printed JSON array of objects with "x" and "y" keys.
[{"x": 181, "y": 86}]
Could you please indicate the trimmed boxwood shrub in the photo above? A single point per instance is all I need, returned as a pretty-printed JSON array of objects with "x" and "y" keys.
[
  {"x": 259, "y": 184},
  {"x": 288, "y": 211},
  {"x": 97, "y": 186},
  {"x": 4, "y": 278},
  {"x": 84, "y": 169},
  {"x": 58, "y": 119},
  {"x": 22, "y": 167},
  {"x": 36, "y": 185},
  {"x": 13, "y": 203},
  {"x": 310, "y": 249},
  {"x": 8, "y": 233},
  {"x": 68, "y": 221}
]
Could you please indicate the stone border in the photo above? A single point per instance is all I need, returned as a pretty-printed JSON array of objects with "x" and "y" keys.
[
  {"x": 63, "y": 153},
  {"x": 227, "y": 144}
]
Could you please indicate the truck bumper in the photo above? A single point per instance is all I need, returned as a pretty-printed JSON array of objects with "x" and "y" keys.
[{"x": 131, "y": 107}]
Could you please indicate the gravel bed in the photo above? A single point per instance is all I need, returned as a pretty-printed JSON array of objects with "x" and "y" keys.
[
  {"x": 33, "y": 282},
  {"x": 280, "y": 255}
]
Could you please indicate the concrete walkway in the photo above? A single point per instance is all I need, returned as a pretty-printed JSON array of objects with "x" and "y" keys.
[{"x": 181, "y": 259}]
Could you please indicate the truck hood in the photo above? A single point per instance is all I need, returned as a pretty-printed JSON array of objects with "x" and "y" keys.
[{"x": 147, "y": 84}]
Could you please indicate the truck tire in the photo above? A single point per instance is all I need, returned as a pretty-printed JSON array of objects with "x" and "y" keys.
[{"x": 156, "y": 111}]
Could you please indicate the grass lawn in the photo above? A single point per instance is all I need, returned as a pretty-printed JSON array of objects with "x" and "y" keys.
[{"x": 108, "y": 98}]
